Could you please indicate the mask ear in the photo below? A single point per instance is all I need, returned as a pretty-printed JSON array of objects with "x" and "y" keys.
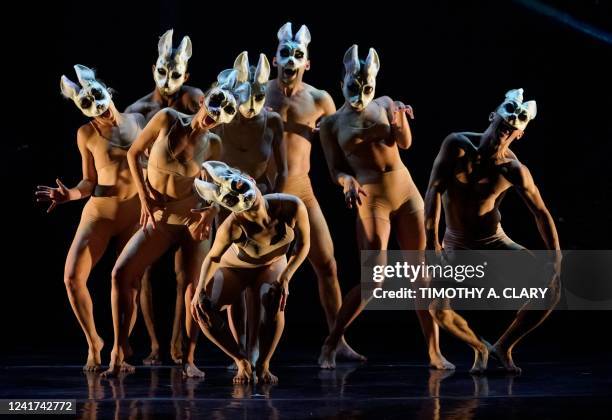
[
  {"x": 351, "y": 60},
  {"x": 515, "y": 95},
  {"x": 207, "y": 190},
  {"x": 184, "y": 49},
  {"x": 285, "y": 33},
  {"x": 531, "y": 108},
  {"x": 303, "y": 36},
  {"x": 372, "y": 63},
  {"x": 164, "y": 46},
  {"x": 84, "y": 74},
  {"x": 227, "y": 79},
  {"x": 241, "y": 65},
  {"x": 262, "y": 73},
  {"x": 213, "y": 167},
  {"x": 69, "y": 89}
]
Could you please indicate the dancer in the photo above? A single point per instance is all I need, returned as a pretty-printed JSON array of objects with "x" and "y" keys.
[
  {"x": 301, "y": 106},
  {"x": 113, "y": 208},
  {"x": 249, "y": 251},
  {"x": 361, "y": 143},
  {"x": 179, "y": 145},
  {"x": 470, "y": 176},
  {"x": 250, "y": 141},
  {"x": 170, "y": 74}
]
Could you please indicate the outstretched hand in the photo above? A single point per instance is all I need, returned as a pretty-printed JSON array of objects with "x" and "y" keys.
[
  {"x": 353, "y": 192},
  {"x": 202, "y": 229},
  {"x": 55, "y": 196}
]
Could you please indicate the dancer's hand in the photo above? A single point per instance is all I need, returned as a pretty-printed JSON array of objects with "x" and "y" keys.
[
  {"x": 284, "y": 284},
  {"x": 147, "y": 208},
  {"x": 201, "y": 230},
  {"x": 352, "y": 191},
  {"x": 197, "y": 311},
  {"x": 399, "y": 106},
  {"x": 55, "y": 196}
]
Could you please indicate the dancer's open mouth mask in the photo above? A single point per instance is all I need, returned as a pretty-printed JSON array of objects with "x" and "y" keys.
[
  {"x": 229, "y": 187},
  {"x": 220, "y": 100},
  {"x": 359, "y": 82},
  {"x": 251, "y": 89},
  {"x": 92, "y": 97},
  {"x": 292, "y": 52},
  {"x": 515, "y": 112},
  {"x": 171, "y": 65}
]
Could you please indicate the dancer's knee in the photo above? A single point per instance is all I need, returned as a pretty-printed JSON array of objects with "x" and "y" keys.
[
  {"x": 124, "y": 278},
  {"x": 73, "y": 281},
  {"x": 270, "y": 302},
  {"x": 326, "y": 268}
]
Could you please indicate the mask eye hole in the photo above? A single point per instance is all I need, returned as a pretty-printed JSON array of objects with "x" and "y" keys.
[
  {"x": 216, "y": 100},
  {"x": 176, "y": 75},
  {"x": 522, "y": 116},
  {"x": 284, "y": 52},
  {"x": 353, "y": 88},
  {"x": 85, "y": 102},
  {"x": 230, "y": 200},
  {"x": 367, "y": 90},
  {"x": 97, "y": 94},
  {"x": 161, "y": 71},
  {"x": 509, "y": 107},
  {"x": 298, "y": 54},
  {"x": 240, "y": 185},
  {"x": 230, "y": 109},
  {"x": 260, "y": 97}
]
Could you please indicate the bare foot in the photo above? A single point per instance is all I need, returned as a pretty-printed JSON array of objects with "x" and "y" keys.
[
  {"x": 503, "y": 357},
  {"x": 152, "y": 359},
  {"x": 191, "y": 371},
  {"x": 127, "y": 368},
  {"x": 345, "y": 351},
  {"x": 265, "y": 376},
  {"x": 112, "y": 371},
  {"x": 481, "y": 358},
  {"x": 439, "y": 362},
  {"x": 245, "y": 372},
  {"x": 94, "y": 360},
  {"x": 176, "y": 353},
  {"x": 327, "y": 359}
]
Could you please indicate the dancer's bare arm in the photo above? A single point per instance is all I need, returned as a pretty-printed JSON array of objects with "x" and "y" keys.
[
  {"x": 440, "y": 174},
  {"x": 400, "y": 128},
  {"x": 83, "y": 189},
  {"x": 142, "y": 143},
  {"x": 520, "y": 176},
  {"x": 300, "y": 252},
  {"x": 339, "y": 169},
  {"x": 279, "y": 149}
]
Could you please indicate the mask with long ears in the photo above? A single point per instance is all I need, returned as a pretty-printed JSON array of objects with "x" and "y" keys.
[
  {"x": 292, "y": 51},
  {"x": 515, "y": 112},
  {"x": 229, "y": 188},
  {"x": 171, "y": 65},
  {"x": 91, "y": 97},
  {"x": 251, "y": 89},
  {"x": 359, "y": 81},
  {"x": 220, "y": 100}
]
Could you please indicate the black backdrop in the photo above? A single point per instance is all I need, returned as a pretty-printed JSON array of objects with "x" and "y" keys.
[{"x": 452, "y": 61}]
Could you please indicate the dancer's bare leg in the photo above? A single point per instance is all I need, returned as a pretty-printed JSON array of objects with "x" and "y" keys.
[
  {"x": 88, "y": 246},
  {"x": 223, "y": 290},
  {"x": 372, "y": 233},
  {"x": 176, "y": 342},
  {"x": 272, "y": 320},
  {"x": 193, "y": 253},
  {"x": 146, "y": 307},
  {"x": 144, "y": 248},
  {"x": 454, "y": 323},
  {"x": 410, "y": 232},
  {"x": 527, "y": 319},
  {"x": 321, "y": 257}
]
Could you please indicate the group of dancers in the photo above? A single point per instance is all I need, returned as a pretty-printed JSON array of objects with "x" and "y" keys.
[{"x": 178, "y": 162}]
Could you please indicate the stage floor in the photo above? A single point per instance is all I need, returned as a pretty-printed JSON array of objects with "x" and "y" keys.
[{"x": 373, "y": 390}]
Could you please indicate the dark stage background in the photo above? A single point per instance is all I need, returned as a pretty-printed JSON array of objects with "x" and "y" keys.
[{"x": 452, "y": 61}]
